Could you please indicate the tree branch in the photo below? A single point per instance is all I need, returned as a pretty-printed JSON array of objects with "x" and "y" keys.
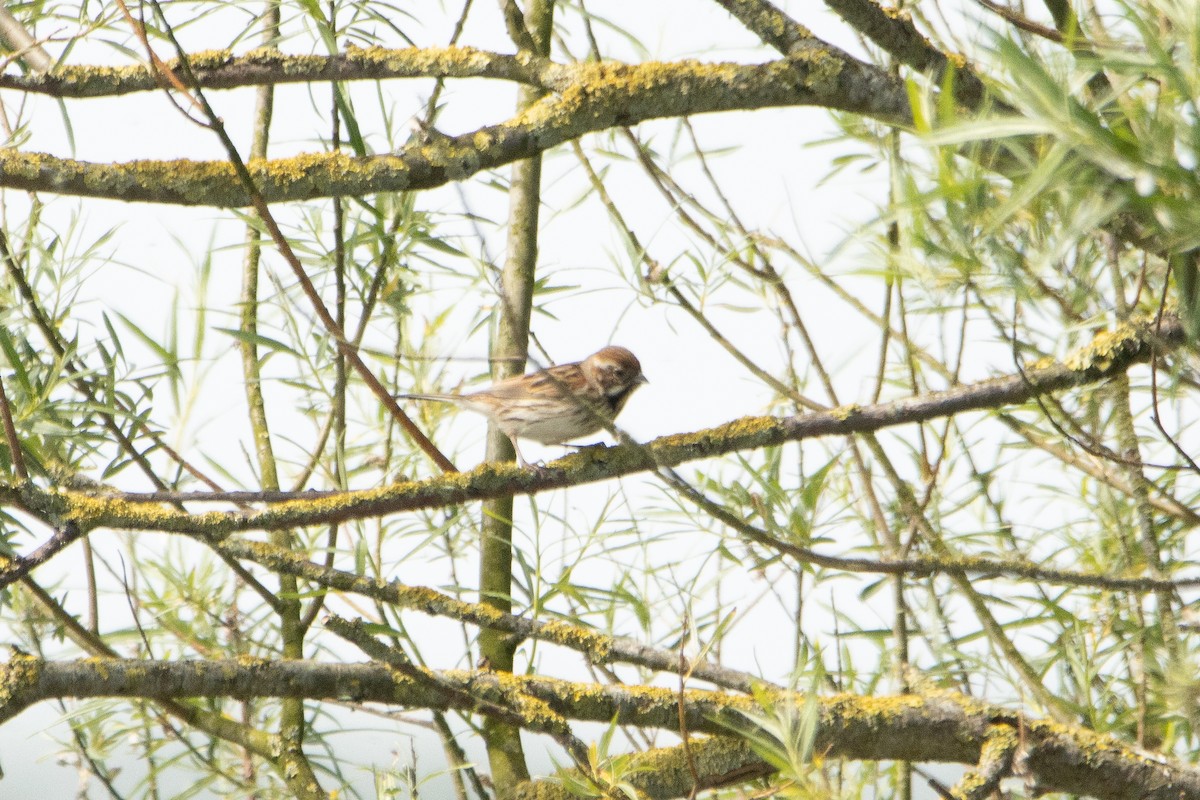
[
  {"x": 1110, "y": 354},
  {"x": 933, "y": 727},
  {"x": 599, "y": 97},
  {"x": 596, "y": 647},
  {"x": 221, "y": 69},
  {"x": 895, "y": 32},
  {"x": 664, "y": 772}
]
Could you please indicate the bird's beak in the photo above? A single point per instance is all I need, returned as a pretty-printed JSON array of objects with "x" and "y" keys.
[{"x": 641, "y": 379}]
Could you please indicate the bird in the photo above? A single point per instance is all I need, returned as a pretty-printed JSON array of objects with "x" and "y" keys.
[{"x": 558, "y": 404}]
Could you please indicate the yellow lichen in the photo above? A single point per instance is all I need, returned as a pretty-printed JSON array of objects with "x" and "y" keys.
[
  {"x": 22, "y": 670},
  {"x": 100, "y": 665},
  {"x": 210, "y": 59},
  {"x": 845, "y": 412},
  {"x": 597, "y": 646},
  {"x": 957, "y": 60},
  {"x": 265, "y": 55},
  {"x": 1104, "y": 347},
  {"x": 824, "y": 67}
]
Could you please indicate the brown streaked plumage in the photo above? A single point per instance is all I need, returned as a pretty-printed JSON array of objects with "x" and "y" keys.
[{"x": 558, "y": 404}]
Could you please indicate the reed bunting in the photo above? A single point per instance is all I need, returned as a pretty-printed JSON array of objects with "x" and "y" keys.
[{"x": 557, "y": 404}]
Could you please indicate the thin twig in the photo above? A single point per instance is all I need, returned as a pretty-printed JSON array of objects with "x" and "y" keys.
[{"x": 10, "y": 436}]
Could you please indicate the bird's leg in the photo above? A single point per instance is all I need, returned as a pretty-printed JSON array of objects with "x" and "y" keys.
[{"x": 521, "y": 462}]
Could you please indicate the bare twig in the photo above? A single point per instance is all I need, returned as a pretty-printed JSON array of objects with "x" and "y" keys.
[{"x": 10, "y": 436}]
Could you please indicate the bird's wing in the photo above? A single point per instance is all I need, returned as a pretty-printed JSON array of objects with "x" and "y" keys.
[{"x": 548, "y": 380}]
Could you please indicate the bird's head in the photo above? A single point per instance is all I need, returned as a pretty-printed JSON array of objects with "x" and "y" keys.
[{"x": 614, "y": 370}]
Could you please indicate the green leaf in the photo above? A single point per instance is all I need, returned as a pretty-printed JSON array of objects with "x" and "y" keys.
[
  {"x": 259, "y": 340},
  {"x": 1185, "y": 270}
]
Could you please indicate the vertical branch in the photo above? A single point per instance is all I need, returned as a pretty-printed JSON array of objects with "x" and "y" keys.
[
  {"x": 900, "y": 620},
  {"x": 291, "y": 719},
  {"x": 509, "y": 348},
  {"x": 263, "y": 108},
  {"x": 1130, "y": 449}
]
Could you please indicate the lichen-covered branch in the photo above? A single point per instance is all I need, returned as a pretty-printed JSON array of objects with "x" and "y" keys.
[
  {"x": 510, "y": 707},
  {"x": 894, "y": 31},
  {"x": 600, "y": 96},
  {"x": 596, "y": 647},
  {"x": 995, "y": 764},
  {"x": 665, "y": 772},
  {"x": 221, "y": 69},
  {"x": 933, "y": 727},
  {"x": 770, "y": 24},
  {"x": 1111, "y": 353}
]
